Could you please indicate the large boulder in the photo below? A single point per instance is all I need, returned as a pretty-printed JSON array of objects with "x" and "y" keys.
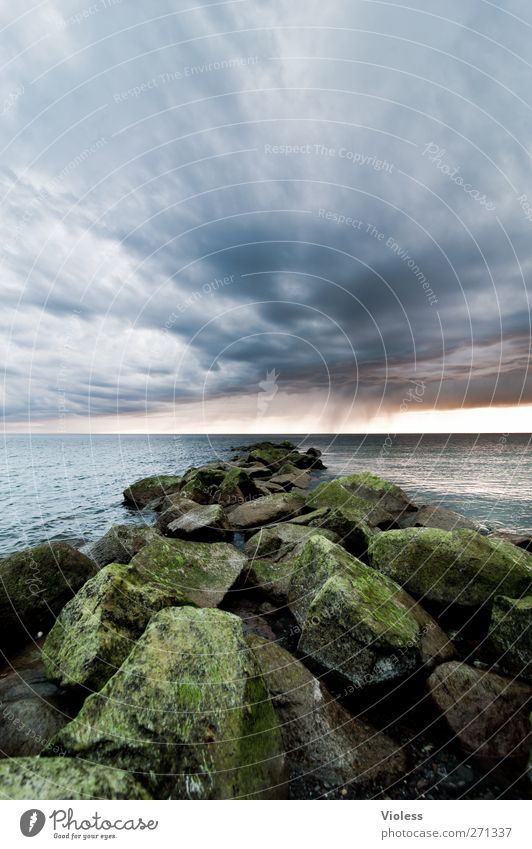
[
  {"x": 269, "y": 577},
  {"x": 34, "y": 585},
  {"x": 358, "y": 624},
  {"x": 33, "y": 711},
  {"x": 271, "y": 456},
  {"x": 236, "y": 487},
  {"x": 457, "y": 567},
  {"x": 510, "y": 635},
  {"x": 292, "y": 480},
  {"x": 120, "y": 544},
  {"x": 172, "y": 508},
  {"x": 367, "y": 488},
  {"x": 304, "y": 461},
  {"x": 486, "y": 712},
  {"x": 97, "y": 629},
  {"x": 148, "y": 491},
  {"x": 266, "y": 510},
  {"x": 281, "y": 541},
  {"x": 203, "y": 524},
  {"x": 203, "y": 572},
  {"x": 321, "y": 740},
  {"x": 65, "y": 778},
  {"x": 187, "y": 713},
  {"x": 352, "y": 518},
  {"x": 201, "y": 485}
]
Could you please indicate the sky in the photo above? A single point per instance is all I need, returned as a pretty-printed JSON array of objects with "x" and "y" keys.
[{"x": 263, "y": 216}]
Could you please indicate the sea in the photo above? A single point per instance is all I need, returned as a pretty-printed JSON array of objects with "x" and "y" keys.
[{"x": 69, "y": 487}]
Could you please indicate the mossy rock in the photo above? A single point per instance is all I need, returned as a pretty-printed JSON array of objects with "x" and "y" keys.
[
  {"x": 97, "y": 629},
  {"x": 65, "y": 778},
  {"x": 34, "y": 585},
  {"x": 304, "y": 461},
  {"x": 452, "y": 567},
  {"x": 120, "y": 544},
  {"x": 368, "y": 633},
  {"x": 269, "y": 577},
  {"x": 269, "y": 455},
  {"x": 510, "y": 635},
  {"x": 323, "y": 742},
  {"x": 352, "y": 518},
  {"x": 319, "y": 559},
  {"x": 148, "y": 490},
  {"x": 203, "y": 572},
  {"x": 187, "y": 714},
  {"x": 383, "y": 493},
  {"x": 357, "y": 623},
  {"x": 201, "y": 485},
  {"x": 172, "y": 508},
  {"x": 236, "y": 487},
  {"x": 336, "y": 495},
  {"x": 289, "y": 481},
  {"x": 205, "y": 523},
  {"x": 266, "y": 510}
]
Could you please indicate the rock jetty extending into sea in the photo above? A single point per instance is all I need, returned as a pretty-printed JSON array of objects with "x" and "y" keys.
[{"x": 273, "y": 634}]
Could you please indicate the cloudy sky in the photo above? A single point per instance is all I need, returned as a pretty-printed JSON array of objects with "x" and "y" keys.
[{"x": 266, "y": 216}]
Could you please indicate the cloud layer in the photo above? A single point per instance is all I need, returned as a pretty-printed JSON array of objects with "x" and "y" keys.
[{"x": 194, "y": 199}]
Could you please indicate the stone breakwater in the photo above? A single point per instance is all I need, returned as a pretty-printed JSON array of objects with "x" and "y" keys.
[{"x": 272, "y": 634}]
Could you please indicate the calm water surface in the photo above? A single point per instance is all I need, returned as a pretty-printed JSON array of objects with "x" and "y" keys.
[{"x": 70, "y": 487}]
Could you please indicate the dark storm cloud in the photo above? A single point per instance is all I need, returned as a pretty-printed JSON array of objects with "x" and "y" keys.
[{"x": 192, "y": 199}]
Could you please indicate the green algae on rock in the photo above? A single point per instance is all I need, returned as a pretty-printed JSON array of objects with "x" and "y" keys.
[
  {"x": 98, "y": 628},
  {"x": 356, "y": 622},
  {"x": 319, "y": 559},
  {"x": 203, "y": 572},
  {"x": 510, "y": 635},
  {"x": 236, "y": 487},
  {"x": 187, "y": 714},
  {"x": 65, "y": 778},
  {"x": 120, "y": 544},
  {"x": 322, "y": 740},
  {"x": 34, "y": 585},
  {"x": 278, "y": 542},
  {"x": 148, "y": 490},
  {"x": 201, "y": 485},
  {"x": 452, "y": 567}
]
